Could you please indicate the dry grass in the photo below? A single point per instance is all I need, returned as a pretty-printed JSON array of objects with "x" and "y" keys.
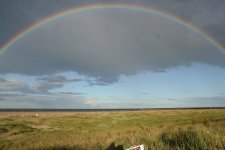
[{"x": 160, "y": 129}]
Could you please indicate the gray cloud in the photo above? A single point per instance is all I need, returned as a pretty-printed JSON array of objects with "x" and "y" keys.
[
  {"x": 45, "y": 84},
  {"x": 57, "y": 79},
  {"x": 206, "y": 14},
  {"x": 29, "y": 12},
  {"x": 105, "y": 44},
  {"x": 50, "y": 82},
  {"x": 99, "y": 82},
  {"x": 18, "y": 94},
  {"x": 44, "y": 87},
  {"x": 72, "y": 93},
  {"x": 13, "y": 85}
]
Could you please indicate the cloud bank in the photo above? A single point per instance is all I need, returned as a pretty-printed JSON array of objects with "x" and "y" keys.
[
  {"x": 105, "y": 44},
  {"x": 15, "y": 93}
]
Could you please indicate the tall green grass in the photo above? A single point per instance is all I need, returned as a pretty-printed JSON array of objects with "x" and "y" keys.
[{"x": 167, "y": 129}]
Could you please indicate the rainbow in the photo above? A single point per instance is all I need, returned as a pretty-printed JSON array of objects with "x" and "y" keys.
[{"x": 84, "y": 8}]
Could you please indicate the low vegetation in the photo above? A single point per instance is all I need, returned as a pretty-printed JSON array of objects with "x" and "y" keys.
[{"x": 159, "y": 129}]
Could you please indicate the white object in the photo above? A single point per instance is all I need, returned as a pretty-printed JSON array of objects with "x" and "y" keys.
[{"x": 139, "y": 147}]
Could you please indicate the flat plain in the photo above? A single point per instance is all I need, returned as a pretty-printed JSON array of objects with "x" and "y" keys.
[{"x": 180, "y": 129}]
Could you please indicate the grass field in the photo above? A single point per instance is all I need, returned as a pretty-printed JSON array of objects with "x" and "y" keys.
[{"x": 156, "y": 129}]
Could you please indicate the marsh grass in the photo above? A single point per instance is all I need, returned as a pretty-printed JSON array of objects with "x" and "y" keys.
[
  {"x": 189, "y": 139},
  {"x": 3, "y": 130},
  {"x": 167, "y": 129},
  {"x": 16, "y": 128}
]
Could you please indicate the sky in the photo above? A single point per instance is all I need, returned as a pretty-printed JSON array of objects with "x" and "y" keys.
[{"x": 112, "y": 57}]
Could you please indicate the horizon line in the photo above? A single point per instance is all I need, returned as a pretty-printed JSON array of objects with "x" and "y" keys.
[{"x": 98, "y": 109}]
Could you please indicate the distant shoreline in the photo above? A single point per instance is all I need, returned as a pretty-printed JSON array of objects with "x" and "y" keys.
[{"x": 102, "y": 110}]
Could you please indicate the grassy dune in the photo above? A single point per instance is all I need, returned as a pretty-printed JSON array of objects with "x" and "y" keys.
[{"x": 159, "y": 129}]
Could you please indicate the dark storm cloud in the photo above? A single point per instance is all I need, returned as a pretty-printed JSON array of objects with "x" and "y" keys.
[
  {"x": 208, "y": 15},
  {"x": 204, "y": 13},
  {"x": 105, "y": 44},
  {"x": 16, "y": 15}
]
